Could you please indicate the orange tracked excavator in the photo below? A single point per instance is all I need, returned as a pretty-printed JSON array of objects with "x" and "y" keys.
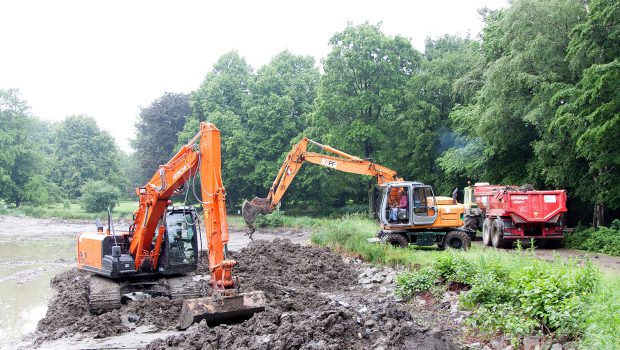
[
  {"x": 424, "y": 219},
  {"x": 161, "y": 247}
]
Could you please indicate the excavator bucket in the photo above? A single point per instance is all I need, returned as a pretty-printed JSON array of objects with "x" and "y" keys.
[
  {"x": 224, "y": 309},
  {"x": 251, "y": 209}
]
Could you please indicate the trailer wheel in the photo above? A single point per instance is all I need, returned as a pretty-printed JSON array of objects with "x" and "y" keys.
[
  {"x": 486, "y": 231},
  {"x": 497, "y": 235},
  {"x": 457, "y": 240},
  {"x": 395, "y": 239}
]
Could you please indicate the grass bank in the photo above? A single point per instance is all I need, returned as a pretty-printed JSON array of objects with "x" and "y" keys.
[
  {"x": 515, "y": 294},
  {"x": 73, "y": 211}
]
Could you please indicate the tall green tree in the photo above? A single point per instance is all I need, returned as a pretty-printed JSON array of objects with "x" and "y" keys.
[
  {"x": 580, "y": 148},
  {"x": 450, "y": 73},
  {"x": 360, "y": 103},
  {"x": 21, "y": 161},
  {"x": 156, "y": 132},
  {"x": 525, "y": 48},
  {"x": 85, "y": 152}
]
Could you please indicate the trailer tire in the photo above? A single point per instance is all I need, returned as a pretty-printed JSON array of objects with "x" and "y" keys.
[
  {"x": 486, "y": 231},
  {"x": 395, "y": 239},
  {"x": 497, "y": 235},
  {"x": 457, "y": 240}
]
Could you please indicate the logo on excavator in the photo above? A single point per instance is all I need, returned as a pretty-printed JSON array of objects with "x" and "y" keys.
[
  {"x": 180, "y": 172},
  {"x": 329, "y": 163}
]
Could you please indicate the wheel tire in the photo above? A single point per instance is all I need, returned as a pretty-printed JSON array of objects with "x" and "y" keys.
[
  {"x": 486, "y": 231},
  {"x": 457, "y": 240},
  {"x": 497, "y": 235},
  {"x": 395, "y": 239}
]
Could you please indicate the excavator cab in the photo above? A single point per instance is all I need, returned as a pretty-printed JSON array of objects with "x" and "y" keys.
[
  {"x": 179, "y": 253},
  {"x": 418, "y": 208}
]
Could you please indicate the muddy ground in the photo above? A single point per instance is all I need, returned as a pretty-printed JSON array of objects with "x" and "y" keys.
[{"x": 315, "y": 301}]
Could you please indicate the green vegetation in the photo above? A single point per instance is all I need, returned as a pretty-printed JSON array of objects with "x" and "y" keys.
[
  {"x": 604, "y": 240},
  {"x": 98, "y": 196},
  {"x": 71, "y": 211},
  {"x": 516, "y": 294},
  {"x": 535, "y": 99}
]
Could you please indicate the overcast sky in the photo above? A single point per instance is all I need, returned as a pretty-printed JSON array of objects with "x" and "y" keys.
[{"x": 107, "y": 58}]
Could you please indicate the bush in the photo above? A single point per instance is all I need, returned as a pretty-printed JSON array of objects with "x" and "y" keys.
[
  {"x": 517, "y": 299},
  {"x": 605, "y": 240},
  {"x": 97, "y": 196},
  {"x": 275, "y": 219}
]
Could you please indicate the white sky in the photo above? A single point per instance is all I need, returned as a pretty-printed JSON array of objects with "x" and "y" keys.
[{"x": 107, "y": 58}]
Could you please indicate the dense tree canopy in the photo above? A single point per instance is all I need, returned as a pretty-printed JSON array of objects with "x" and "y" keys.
[{"x": 534, "y": 100}]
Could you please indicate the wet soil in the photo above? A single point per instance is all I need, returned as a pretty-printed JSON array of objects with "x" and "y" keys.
[{"x": 314, "y": 301}]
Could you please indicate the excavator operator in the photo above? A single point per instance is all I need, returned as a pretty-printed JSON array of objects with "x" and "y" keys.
[{"x": 403, "y": 203}]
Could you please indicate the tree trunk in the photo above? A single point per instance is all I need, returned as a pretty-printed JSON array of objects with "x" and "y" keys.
[{"x": 598, "y": 218}]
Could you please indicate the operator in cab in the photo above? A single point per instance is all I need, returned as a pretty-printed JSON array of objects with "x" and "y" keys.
[{"x": 403, "y": 203}]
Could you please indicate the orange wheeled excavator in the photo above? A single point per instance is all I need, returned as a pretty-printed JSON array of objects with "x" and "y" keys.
[
  {"x": 425, "y": 220},
  {"x": 162, "y": 245}
]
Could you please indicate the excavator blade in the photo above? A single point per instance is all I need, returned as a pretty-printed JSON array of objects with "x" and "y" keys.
[
  {"x": 224, "y": 309},
  {"x": 251, "y": 209}
]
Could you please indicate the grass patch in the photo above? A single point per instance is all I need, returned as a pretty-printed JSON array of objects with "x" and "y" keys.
[{"x": 73, "y": 211}]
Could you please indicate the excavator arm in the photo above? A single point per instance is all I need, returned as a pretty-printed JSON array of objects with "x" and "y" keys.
[
  {"x": 201, "y": 154},
  {"x": 298, "y": 155}
]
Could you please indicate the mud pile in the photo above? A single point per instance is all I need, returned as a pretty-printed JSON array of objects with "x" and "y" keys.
[
  {"x": 314, "y": 302},
  {"x": 68, "y": 313}
]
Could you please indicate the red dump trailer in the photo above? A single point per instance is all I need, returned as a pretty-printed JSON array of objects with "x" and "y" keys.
[{"x": 507, "y": 213}]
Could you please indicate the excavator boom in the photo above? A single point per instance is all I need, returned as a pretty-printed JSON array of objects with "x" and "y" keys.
[{"x": 295, "y": 159}]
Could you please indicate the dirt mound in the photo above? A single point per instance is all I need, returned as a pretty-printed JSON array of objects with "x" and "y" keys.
[
  {"x": 68, "y": 313},
  {"x": 314, "y": 302}
]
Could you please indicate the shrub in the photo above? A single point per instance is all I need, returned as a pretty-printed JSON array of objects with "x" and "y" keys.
[
  {"x": 516, "y": 297},
  {"x": 97, "y": 196},
  {"x": 413, "y": 282},
  {"x": 604, "y": 240},
  {"x": 274, "y": 219}
]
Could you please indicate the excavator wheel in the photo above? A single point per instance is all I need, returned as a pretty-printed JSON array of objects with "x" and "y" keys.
[
  {"x": 395, "y": 239},
  {"x": 457, "y": 240},
  {"x": 104, "y": 295}
]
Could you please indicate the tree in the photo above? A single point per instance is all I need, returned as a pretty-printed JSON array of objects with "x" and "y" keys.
[
  {"x": 524, "y": 47},
  {"x": 84, "y": 152},
  {"x": 449, "y": 75},
  {"x": 156, "y": 132},
  {"x": 20, "y": 158},
  {"x": 360, "y": 101},
  {"x": 580, "y": 149},
  {"x": 98, "y": 196}
]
